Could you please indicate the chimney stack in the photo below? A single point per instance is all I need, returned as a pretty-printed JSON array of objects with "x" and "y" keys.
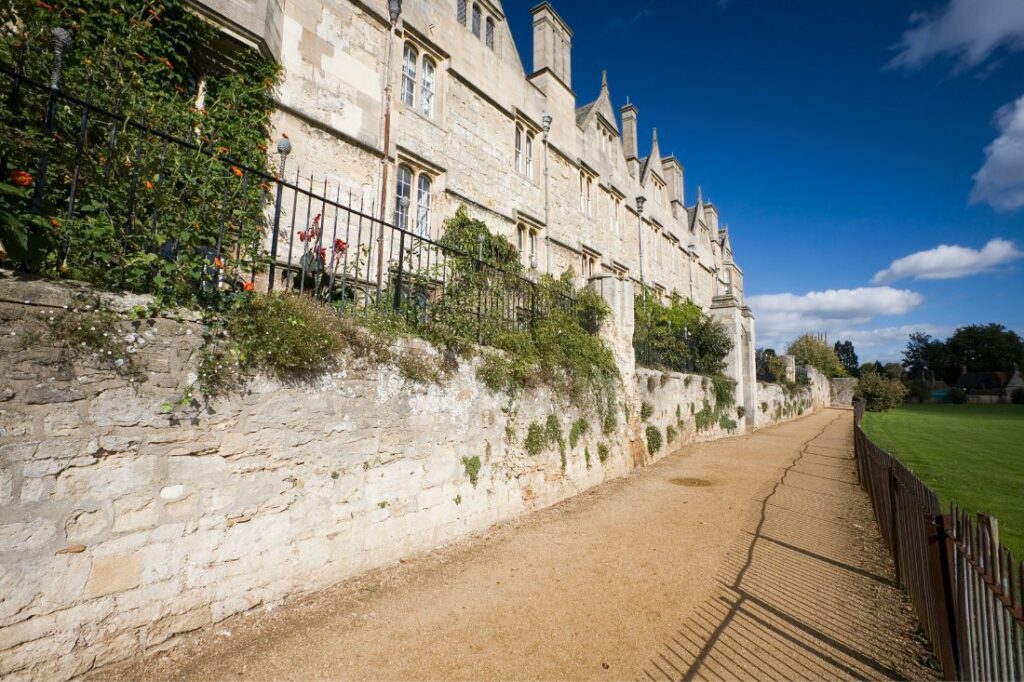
[
  {"x": 552, "y": 43},
  {"x": 629, "y": 145}
]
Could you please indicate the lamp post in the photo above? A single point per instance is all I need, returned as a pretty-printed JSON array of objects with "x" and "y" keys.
[
  {"x": 640, "y": 201},
  {"x": 546, "y": 123},
  {"x": 284, "y": 148},
  {"x": 394, "y": 12}
]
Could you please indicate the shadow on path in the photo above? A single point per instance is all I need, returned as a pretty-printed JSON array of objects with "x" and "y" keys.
[{"x": 807, "y": 591}]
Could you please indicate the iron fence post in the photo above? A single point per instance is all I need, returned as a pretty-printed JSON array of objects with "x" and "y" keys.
[
  {"x": 398, "y": 283},
  {"x": 940, "y": 576},
  {"x": 284, "y": 148},
  {"x": 61, "y": 41}
]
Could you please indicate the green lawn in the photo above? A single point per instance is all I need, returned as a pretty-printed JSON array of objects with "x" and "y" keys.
[{"x": 970, "y": 454}]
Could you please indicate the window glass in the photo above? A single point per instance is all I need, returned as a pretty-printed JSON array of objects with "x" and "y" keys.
[
  {"x": 423, "y": 206},
  {"x": 409, "y": 75},
  {"x": 489, "y": 34},
  {"x": 461, "y": 12},
  {"x": 476, "y": 20},
  {"x": 427, "y": 88},
  {"x": 403, "y": 195}
]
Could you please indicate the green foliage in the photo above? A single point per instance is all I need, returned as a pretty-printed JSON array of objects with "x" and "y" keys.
[
  {"x": 653, "y": 439},
  {"x": 553, "y": 435},
  {"x": 725, "y": 392},
  {"x": 741, "y": 412},
  {"x": 810, "y": 350},
  {"x": 93, "y": 332},
  {"x": 586, "y": 456},
  {"x": 150, "y": 221},
  {"x": 536, "y": 438},
  {"x": 457, "y": 500},
  {"x": 847, "y": 357},
  {"x": 705, "y": 418},
  {"x": 602, "y": 452},
  {"x": 609, "y": 422},
  {"x": 958, "y": 396},
  {"x": 678, "y": 336},
  {"x": 25, "y": 238},
  {"x": 670, "y": 433},
  {"x": 472, "y": 466},
  {"x": 1017, "y": 396},
  {"x": 579, "y": 427},
  {"x": 979, "y": 348},
  {"x": 646, "y": 410},
  {"x": 726, "y": 423},
  {"x": 881, "y": 392}
]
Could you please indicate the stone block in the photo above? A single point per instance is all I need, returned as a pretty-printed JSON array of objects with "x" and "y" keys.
[
  {"x": 85, "y": 526},
  {"x": 173, "y": 625},
  {"x": 6, "y": 487},
  {"x": 45, "y": 394},
  {"x": 27, "y": 535},
  {"x": 111, "y": 574},
  {"x": 135, "y": 511},
  {"x": 61, "y": 420}
]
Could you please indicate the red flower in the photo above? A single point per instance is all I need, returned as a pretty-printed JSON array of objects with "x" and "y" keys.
[
  {"x": 248, "y": 286},
  {"x": 340, "y": 245},
  {"x": 302, "y": 236},
  {"x": 323, "y": 252},
  {"x": 43, "y": 5},
  {"x": 21, "y": 178}
]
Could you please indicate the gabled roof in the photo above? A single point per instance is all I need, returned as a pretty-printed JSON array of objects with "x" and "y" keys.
[
  {"x": 651, "y": 162},
  {"x": 602, "y": 106},
  {"x": 984, "y": 380}
]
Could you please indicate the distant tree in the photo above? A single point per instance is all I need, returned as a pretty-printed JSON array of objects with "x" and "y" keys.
[
  {"x": 880, "y": 392},
  {"x": 810, "y": 350},
  {"x": 762, "y": 360},
  {"x": 893, "y": 370},
  {"x": 986, "y": 348},
  {"x": 847, "y": 356},
  {"x": 926, "y": 358}
]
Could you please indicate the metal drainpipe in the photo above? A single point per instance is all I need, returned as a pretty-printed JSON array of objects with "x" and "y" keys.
[{"x": 384, "y": 153}]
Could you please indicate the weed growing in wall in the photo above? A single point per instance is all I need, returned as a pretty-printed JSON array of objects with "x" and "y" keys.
[
  {"x": 670, "y": 433},
  {"x": 653, "y": 439},
  {"x": 536, "y": 438},
  {"x": 646, "y": 410},
  {"x": 472, "y": 466},
  {"x": 602, "y": 452},
  {"x": 586, "y": 456},
  {"x": 579, "y": 428}
]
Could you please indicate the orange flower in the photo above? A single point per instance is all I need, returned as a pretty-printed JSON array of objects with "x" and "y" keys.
[
  {"x": 147, "y": 184},
  {"x": 237, "y": 171},
  {"x": 218, "y": 262},
  {"x": 248, "y": 286},
  {"x": 21, "y": 178},
  {"x": 222, "y": 150},
  {"x": 167, "y": 62},
  {"x": 87, "y": 61},
  {"x": 54, "y": 223}
]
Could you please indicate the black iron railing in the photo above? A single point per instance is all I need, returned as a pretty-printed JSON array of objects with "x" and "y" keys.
[{"x": 147, "y": 210}]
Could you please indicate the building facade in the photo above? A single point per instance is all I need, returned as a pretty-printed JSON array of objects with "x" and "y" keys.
[{"x": 470, "y": 125}]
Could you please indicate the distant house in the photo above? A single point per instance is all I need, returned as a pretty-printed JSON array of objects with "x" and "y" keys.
[{"x": 990, "y": 387}]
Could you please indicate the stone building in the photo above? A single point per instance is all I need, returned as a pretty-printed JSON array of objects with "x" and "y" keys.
[{"x": 471, "y": 125}]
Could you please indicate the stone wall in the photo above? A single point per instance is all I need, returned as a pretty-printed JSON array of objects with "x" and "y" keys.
[
  {"x": 843, "y": 389},
  {"x": 777, "y": 403},
  {"x": 122, "y": 527}
]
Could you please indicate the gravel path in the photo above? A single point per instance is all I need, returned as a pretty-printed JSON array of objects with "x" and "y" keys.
[{"x": 752, "y": 558}]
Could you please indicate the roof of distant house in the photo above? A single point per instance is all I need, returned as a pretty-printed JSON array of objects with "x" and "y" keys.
[{"x": 983, "y": 380}]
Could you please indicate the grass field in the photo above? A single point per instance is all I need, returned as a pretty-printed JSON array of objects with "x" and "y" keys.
[{"x": 969, "y": 454}]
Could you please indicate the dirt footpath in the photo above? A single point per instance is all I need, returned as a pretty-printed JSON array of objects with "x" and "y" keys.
[{"x": 752, "y": 557}]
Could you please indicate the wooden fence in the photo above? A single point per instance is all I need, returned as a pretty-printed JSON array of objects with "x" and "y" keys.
[{"x": 965, "y": 586}]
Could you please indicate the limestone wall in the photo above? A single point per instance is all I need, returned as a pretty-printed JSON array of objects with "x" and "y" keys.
[
  {"x": 777, "y": 404},
  {"x": 122, "y": 527},
  {"x": 843, "y": 389},
  {"x": 676, "y": 398}
]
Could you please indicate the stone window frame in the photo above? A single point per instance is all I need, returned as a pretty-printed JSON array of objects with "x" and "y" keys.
[
  {"x": 489, "y": 32},
  {"x": 415, "y": 79},
  {"x": 590, "y": 259},
  {"x": 587, "y": 178},
  {"x": 460, "y": 11},
  {"x": 477, "y": 21},
  {"x": 527, "y": 238},
  {"x": 519, "y": 135},
  {"x": 417, "y": 218},
  {"x": 524, "y": 147}
]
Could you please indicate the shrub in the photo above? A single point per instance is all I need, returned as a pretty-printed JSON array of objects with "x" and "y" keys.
[
  {"x": 646, "y": 410},
  {"x": 741, "y": 412},
  {"x": 678, "y": 336},
  {"x": 810, "y": 350},
  {"x": 880, "y": 392},
  {"x": 472, "y": 466},
  {"x": 1018, "y": 396},
  {"x": 958, "y": 396},
  {"x": 726, "y": 423},
  {"x": 653, "y": 439}
]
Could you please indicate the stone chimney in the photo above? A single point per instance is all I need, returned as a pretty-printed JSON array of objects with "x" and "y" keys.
[
  {"x": 629, "y": 113},
  {"x": 552, "y": 43}
]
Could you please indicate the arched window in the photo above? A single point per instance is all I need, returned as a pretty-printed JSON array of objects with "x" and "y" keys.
[
  {"x": 423, "y": 206},
  {"x": 461, "y": 12},
  {"x": 489, "y": 33},
  {"x": 409, "y": 75},
  {"x": 403, "y": 196},
  {"x": 476, "y": 20},
  {"x": 519, "y": 149},
  {"x": 427, "y": 88}
]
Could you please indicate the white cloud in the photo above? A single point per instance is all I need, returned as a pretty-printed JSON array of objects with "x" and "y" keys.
[
  {"x": 969, "y": 29},
  {"x": 950, "y": 262},
  {"x": 884, "y": 344},
  {"x": 780, "y": 317},
  {"x": 1000, "y": 181}
]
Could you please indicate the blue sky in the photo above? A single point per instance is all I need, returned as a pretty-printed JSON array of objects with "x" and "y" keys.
[{"x": 868, "y": 157}]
